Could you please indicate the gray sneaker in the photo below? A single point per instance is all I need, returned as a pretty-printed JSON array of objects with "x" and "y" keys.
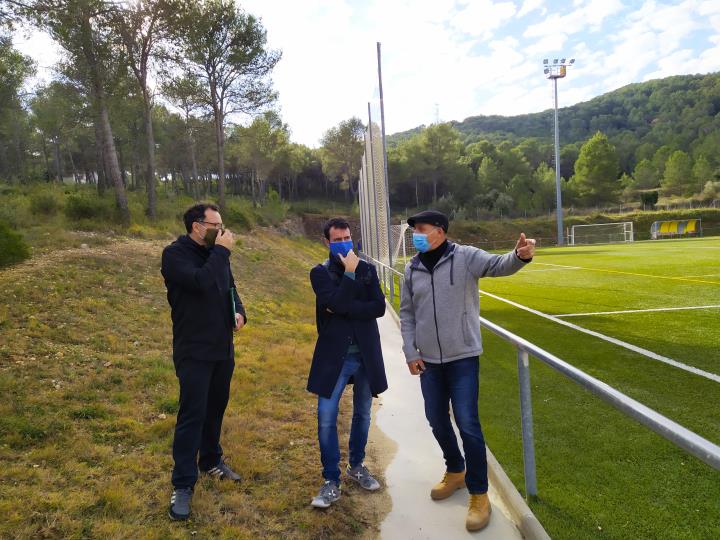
[
  {"x": 223, "y": 472},
  {"x": 362, "y": 476},
  {"x": 180, "y": 504},
  {"x": 329, "y": 493}
]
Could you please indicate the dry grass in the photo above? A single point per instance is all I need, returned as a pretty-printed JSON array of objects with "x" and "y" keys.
[{"x": 89, "y": 400}]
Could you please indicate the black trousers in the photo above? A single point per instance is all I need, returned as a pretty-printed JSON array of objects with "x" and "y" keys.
[{"x": 204, "y": 393}]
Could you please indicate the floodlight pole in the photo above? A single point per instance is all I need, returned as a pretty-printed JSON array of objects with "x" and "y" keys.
[
  {"x": 558, "y": 187},
  {"x": 557, "y": 71}
]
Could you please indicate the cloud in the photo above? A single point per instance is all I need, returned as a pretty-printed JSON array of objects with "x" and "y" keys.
[
  {"x": 482, "y": 17},
  {"x": 589, "y": 14},
  {"x": 548, "y": 44},
  {"x": 467, "y": 56},
  {"x": 652, "y": 36},
  {"x": 39, "y": 46},
  {"x": 529, "y": 6}
]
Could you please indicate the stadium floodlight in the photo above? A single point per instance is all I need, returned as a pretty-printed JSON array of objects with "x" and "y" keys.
[
  {"x": 556, "y": 72},
  {"x": 545, "y": 60},
  {"x": 562, "y": 61}
]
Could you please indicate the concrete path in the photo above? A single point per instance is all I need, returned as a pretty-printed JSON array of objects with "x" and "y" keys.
[{"x": 418, "y": 462}]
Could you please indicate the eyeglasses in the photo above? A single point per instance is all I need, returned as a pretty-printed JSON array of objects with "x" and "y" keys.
[{"x": 219, "y": 226}]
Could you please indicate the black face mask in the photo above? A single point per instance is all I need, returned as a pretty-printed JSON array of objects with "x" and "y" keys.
[{"x": 210, "y": 236}]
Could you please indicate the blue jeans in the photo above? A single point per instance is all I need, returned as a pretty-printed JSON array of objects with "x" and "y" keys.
[
  {"x": 327, "y": 418},
  {"x": 457, "y": 383}
]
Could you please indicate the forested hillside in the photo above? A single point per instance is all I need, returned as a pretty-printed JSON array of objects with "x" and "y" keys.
[{"x": 644, "y": 142}]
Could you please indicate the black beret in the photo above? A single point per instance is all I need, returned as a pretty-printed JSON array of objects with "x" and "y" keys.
[{"x": 432, "y": 217}]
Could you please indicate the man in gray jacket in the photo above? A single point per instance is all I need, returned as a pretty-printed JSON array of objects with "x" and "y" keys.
[{"x": 439, "y": 321}]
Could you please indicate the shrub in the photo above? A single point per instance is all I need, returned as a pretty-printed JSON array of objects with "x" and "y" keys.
[
  {"x": 84, "y": 207},
  {"x": 13, "y": 247},
  {"x": 274, "y": 211},
  {"x": 44, "y": 203},
  {"x": 239, "y": 215}
]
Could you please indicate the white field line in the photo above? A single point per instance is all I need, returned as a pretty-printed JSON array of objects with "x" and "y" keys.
[
  {"x": 614, "y": 341},
  {"x": 553, "y": 269},
  {"x": 637, "y": 311},
  {"x": 560, "y": 265},
  {"x": 610, "y": 271}
]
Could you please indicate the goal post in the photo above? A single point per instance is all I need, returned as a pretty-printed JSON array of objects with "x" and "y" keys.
[
  {"x": 602, "y": 233},
  {"x": 402, "y": 244}
]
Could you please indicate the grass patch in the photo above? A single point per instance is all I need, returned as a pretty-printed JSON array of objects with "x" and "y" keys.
[
  {"x": 600, "y": 474},
  {"x": 89, "y": 396}
]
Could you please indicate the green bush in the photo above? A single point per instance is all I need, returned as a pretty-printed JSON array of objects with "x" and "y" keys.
[
  {"x": 84, "y": 207},
  {"x": 273, "y": 211},
  {"x": 239, "y": 215},
  {"x": 13, "y": 247},
  {"x": 44, "y": 203}
]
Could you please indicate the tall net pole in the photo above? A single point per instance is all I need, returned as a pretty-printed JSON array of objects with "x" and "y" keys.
[
  {"x": 385, "y": 169},
  {"x": 373, "y": 189}
]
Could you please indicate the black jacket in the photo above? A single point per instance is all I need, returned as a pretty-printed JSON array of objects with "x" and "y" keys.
[
  {"x": 355, "y": 306},
  {"x": 198, "y": 282}
]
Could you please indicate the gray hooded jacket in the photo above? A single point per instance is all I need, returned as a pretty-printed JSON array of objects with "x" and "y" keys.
[{"x": 440, "y": 310}]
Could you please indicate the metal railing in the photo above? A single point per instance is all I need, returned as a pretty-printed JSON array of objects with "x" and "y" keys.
[{"x": 680, "y": 436}]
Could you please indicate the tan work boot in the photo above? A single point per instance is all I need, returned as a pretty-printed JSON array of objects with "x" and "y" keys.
[
  {"x": 479, "y": 510},
  {"x": 451, "y": 482}
]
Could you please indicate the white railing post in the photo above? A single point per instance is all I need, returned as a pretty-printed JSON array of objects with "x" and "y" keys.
[{"x": 526, "y": 416}]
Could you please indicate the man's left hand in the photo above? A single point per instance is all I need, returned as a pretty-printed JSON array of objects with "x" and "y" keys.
[
  {"x": 525, "y": 247},
  {"x": 239, "y": 321}
]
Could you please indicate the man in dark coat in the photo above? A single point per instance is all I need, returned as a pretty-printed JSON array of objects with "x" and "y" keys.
[
  {"x": 206, "y": 309},
  {"x": 348, "y": 302}
]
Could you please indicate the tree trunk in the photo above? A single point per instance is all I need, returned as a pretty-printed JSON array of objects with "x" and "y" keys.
[
  {"x": 121, "y": 165},
  {"x": 186, "y": 178},
  {"x": 108, "y": 144},
  {"x": 193, "y": 158},
  {"x": 47, "y": 159},
  {"x": 76, "y": 176},
  {"x": 99, "y": 158},
  {"x": 56, "y": 152},
  {"x": 20, "y": 172},
  {"x": 111, "y": 161},
  {"x": 262, "y": 189},
  {"x": 220, "y": 142},
  {"x": 252, "y": 186},
  {"x": 151, "y": 190}
]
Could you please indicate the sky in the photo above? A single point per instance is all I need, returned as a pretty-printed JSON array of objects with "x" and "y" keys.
[{"x": 450, "y": 59}]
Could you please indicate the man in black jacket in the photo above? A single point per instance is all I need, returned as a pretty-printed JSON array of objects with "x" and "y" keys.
[
  {"x": 205, "y": 309},
  {"x": 348, "y": 302}
]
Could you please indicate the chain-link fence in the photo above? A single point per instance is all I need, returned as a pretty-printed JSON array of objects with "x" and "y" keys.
[
  {"x": 373, "y": 196},
  {"x": 377, "y": 241}
]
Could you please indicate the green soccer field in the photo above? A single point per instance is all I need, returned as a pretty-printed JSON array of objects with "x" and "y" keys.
[{"x": 601, "y": 474}]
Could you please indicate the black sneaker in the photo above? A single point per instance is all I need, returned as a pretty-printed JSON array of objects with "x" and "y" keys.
[
  {"x": 180, "y": 504},
  {"x": 223, "y": 472}
]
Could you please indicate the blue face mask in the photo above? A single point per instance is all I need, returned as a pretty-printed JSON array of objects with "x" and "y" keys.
[
  {"x": 421, "y": 243},
  {"x": 341, "y": 248}
]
